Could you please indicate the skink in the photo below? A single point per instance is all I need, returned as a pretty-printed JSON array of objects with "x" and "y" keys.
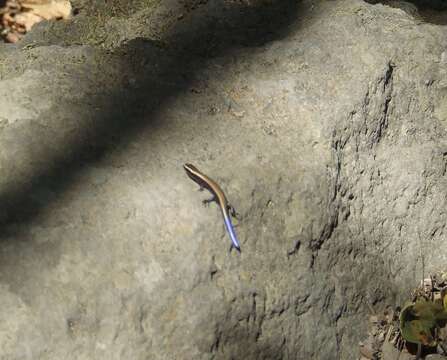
[{"x": 219, "y": 196}]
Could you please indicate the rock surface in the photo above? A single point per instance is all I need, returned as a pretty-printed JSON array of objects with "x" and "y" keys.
[{"x": 324, "y": 121}]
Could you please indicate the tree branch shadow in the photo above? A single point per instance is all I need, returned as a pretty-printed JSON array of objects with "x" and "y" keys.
[{"x": 128, "y": 111}]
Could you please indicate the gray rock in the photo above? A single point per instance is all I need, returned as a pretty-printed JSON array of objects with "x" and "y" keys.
[
  {"x": 389, "y": 352},
  {"x": 333, "y": 152},
  {"x": 435, "y": 357}
]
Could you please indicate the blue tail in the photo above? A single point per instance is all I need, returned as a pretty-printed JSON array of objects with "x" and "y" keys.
[{"x": 232, "y": 233}]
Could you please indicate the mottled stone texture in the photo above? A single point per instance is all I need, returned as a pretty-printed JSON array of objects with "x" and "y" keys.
[{"x": 324, "y": 121}]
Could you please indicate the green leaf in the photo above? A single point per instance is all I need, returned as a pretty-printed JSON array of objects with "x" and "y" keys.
[{"x": 418, "y": 321}]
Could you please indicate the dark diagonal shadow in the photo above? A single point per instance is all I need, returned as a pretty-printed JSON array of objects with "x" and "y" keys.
[{"x": 128, "y": 111}]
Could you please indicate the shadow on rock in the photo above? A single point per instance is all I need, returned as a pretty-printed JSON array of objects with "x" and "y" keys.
[{"x": 212, "y": 30}]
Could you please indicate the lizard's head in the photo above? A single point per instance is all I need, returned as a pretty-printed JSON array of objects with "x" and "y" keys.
[{"x": 190, "y": 168}]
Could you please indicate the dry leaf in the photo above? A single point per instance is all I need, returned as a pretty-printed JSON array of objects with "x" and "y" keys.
[
  {"x": 50, "y": 10},
  {"x": 18, "y": 16},
  {"x": 27, "y": 20}
]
